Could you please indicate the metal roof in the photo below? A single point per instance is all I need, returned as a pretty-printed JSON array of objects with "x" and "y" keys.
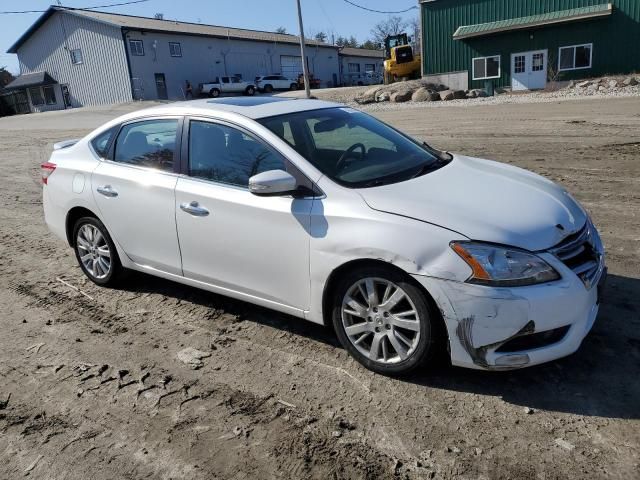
[
  {"x": 31, "y": 80},
  {"x": 361, "y": 52},
  {"x": 561, "y": 16},
  {"x": 131, "y": 22}
]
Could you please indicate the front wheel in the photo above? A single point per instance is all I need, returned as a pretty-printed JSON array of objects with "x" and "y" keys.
[
  {"x": 383, "y": 320},
  {"x": 250, "y": 91},
  {"x": 95, "y": 252},
  {"x": 214, "y": 93},
  {"x": 294, "y": 86}
]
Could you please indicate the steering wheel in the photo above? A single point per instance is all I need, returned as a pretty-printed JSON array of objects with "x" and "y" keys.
[{"x": 349, "y": 154}]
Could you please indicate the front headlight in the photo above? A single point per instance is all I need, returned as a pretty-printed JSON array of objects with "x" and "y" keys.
[{"x": 502, "y": 266}]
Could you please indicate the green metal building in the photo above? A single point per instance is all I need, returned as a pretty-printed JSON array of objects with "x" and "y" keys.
[{"x": 524, "y": 44}]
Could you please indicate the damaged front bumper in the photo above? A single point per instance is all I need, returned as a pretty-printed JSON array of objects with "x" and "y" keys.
[{"x": 505, "y": 328}]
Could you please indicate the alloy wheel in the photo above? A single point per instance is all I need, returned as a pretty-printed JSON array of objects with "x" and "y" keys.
[
  {"x": 380, "y": 320},
  {"x": 93, "y": 251}
]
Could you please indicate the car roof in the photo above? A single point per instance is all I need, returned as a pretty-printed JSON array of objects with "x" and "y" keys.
[{"x": 250, "y": 107}]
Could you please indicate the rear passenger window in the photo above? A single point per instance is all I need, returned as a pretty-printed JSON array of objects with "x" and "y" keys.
[
  {"x": 101, "y": 143},
  {"x": 226, "y": 155},
  {"x": 151, "y": 143}
]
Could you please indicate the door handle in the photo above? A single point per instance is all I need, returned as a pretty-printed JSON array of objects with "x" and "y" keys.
[
  {"x": 194, "y": 208},
  {"x": 107, "y": 191}
]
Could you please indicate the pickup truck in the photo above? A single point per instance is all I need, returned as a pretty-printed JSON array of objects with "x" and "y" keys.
[{"x": 227, "y": 85}]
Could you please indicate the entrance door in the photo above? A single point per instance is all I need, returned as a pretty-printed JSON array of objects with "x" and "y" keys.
[
  {"x": 529, "y": 70},
  {"x": 66, "y": 95},
  {"x": 161, "y": 86}
]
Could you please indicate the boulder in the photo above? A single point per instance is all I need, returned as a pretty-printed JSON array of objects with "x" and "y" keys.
[
  {"x": 459, "y": 94},
  {"x": 584, "y": 84},
  {"x": 571, "y": 84},
  {"x": 447, "y": 95},
  {"x": 371, "y": 92},
  {"x": 383, "y": 97},
  {"x": 602, "y": 89},
  {"x": 368, "y": 96},
  {"x": 477, "y": 93},
  {"x": 401, "y": 96},
  {"x": 441, "y": 88},
  {"x": 433, "y": 97},
  {"x": 630, "y": 82},
  {"x": 613, "y": 84},
  {"x": 420, "y": 95}
]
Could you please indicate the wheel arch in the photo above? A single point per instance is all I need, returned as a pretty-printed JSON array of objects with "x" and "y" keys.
[
  {"x": 441, "y": 334},
  {"x": 72, "y": 217}
]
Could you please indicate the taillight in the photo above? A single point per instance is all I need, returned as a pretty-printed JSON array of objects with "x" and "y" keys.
[{"x": 47, "y": 170}]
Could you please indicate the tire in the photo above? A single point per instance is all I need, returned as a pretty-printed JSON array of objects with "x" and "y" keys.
[
  {"x": 395, "y": 355},
  {"x": 268, "y": 89},
  {"x": 83, "y": 246},
  {"x": 251, "y": 91},
  {"x": 214, "y": 93},
  {"x": 294, "y": 86}
]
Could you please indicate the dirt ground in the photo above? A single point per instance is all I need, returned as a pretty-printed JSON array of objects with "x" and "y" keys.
[{"x": 91, "y": 386}]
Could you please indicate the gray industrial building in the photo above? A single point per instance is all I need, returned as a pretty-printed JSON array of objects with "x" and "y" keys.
[
  {"x": 355, "y": 63},
  {"x": 75, "y": 57}
]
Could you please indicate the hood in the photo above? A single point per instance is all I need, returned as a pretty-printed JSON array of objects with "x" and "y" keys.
[{"x": 486, "y": 201}]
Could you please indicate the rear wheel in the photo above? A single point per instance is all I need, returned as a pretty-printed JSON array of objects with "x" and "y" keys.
[
  {"x": 250, "y": 91},
  {"x": 214, "y": 93},
  {"x": 383, "y": 320},
  {"x": 294, "y": 86},
  {"x": 95, "y": 252}
]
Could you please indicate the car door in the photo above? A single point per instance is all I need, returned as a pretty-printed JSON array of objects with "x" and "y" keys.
[
  {"x": 257, "y": 246},
  {"x": 225, "y": 84},
  {"x": 134, "y": 189},
  {"x": 237, "y": 85}
]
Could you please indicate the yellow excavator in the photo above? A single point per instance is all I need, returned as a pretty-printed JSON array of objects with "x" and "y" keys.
[{"x": 400, "y": 61}]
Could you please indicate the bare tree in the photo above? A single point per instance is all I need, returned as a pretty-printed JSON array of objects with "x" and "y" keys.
[
  {"x": 392, "y": 26},
  {"x": 281, "y": 30},
  {"x": 414, "y": 28}
]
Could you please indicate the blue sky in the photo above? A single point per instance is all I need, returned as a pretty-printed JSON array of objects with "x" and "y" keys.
[{"x": 319, "y": 15}]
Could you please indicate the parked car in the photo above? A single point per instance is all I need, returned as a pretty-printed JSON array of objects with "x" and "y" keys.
[
  {"x": 269, "y": 83},
  {"x": 361, "y": 79},
  {"x": 227, "y": 85},
  {"x": 325, "y": 213}
]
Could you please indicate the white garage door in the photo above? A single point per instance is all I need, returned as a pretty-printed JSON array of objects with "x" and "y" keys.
[{"x": 291, "y": 66}]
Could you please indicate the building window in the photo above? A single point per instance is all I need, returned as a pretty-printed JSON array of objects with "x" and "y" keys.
[
  {"x": 36, "y": 96},
  {"x": 76, "y": 56},
  {"x": 49, "y": 95},
  {"x": 575, "y": 57},
  {"x": 369, "y": 67},
  {"x": 136, "y": 47},
  {"x": 519, "y": 63},
  {"x": 486, "y": 67},
  {"x": 175, "y": 49},
  {"x": 538, "y": 62},
  {"x": 354, "y": 68}
]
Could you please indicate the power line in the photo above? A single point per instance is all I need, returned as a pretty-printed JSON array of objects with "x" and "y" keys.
[
  {"x": 78, "y": 8},
  {"x": 379, "y": 11}
]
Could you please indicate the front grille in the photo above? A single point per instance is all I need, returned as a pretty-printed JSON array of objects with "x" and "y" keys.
[
  {"x": 580, "y": 253},
  {"x": 534, "y": 340}
]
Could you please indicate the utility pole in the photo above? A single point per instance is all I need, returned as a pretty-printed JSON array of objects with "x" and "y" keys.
[{"x": 305, "y": 70}]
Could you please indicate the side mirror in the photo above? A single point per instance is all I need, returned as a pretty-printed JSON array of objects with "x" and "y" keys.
[{"x": 272, "y": 183}]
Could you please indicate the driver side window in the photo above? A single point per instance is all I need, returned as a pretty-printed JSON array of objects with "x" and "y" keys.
[{"x": 224, "y": 154}]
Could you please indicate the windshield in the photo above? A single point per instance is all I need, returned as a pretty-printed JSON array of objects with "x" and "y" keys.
[{"x": 353, "y": 148}]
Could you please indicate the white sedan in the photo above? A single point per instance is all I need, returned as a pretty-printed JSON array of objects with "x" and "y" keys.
[{"x": 325, "y": 213}]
